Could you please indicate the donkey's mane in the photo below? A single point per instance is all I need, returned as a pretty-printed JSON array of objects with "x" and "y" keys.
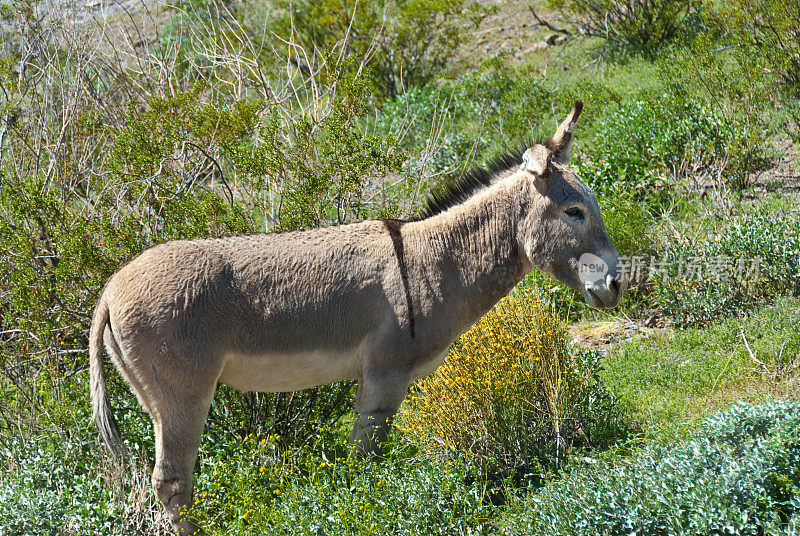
[{"x": 476, "y": 178}]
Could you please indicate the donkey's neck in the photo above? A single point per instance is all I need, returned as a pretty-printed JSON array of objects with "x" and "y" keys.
[{"x": 469, "y": 254}]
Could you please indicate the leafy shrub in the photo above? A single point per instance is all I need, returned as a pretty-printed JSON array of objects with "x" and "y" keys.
[
  {"x": 510, "y": 390},
  {"x": 733, "y": 78},
  {"x": 639, "y": 145},
  {"x": 296, "y": 417},
  {"x": 628, "y": 223},
  {"x": 739, "y": 475},
  {"x": 56, "y": 486},
  {"x": 771, "y": 30},
  {"x": 515, "y": 104},
  {"x": 404, "y": 43},
  {"x": 248, "y": 488},
  {"x": 329, "y": 167},
  {"x": 641, "y": 24},
  {"x": 752, "y": 260},
  {"x": 318, "y": 169},
  {"x": 746, "y": 58},
  {"x": 446, "y": 125},
  {"x": 431, "y": 117}
]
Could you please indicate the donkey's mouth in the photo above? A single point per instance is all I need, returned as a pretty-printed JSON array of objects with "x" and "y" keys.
[
  {"x": 593, "y": 299},
  {"x": 606, "y": 294}
]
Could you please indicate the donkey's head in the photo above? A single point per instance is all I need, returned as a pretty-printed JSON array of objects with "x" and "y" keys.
[{"x": 562, "y": 231}]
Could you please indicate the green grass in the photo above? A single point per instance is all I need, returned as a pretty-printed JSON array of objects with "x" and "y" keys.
[
  {"x": 669, "y": 380},
  {"x": 628, "y": 223}
]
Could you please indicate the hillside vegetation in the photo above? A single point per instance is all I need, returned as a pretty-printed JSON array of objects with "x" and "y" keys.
[{"x": 673, "y": 414}]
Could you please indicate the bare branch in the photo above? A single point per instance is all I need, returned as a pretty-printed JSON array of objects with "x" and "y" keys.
[{"x": 548, "y": 25}]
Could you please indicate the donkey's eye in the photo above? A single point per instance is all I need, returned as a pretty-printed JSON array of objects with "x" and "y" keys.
[{"x": 574, "y": 213}]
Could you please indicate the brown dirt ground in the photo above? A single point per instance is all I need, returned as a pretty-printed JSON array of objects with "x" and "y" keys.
[
  {"x": 783, "y": 174},
  {"x": 512, "y": 31}
]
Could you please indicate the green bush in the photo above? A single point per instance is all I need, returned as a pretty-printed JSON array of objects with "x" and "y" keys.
[
  {"x": 770, "y": 29},
  {"x": 328, "y": 167},
  {"x": 477, "y": 116},
  {"x": 638, "y": 147},
  {"x": 738, "y": 475},
  {"x": 749, "y": 51},
  {"x": 643, "y": 25},
  {"x": 318, "y": 169},
  {"x": 433, "y": 116},
  {"x": 752, "y": 260},
  {"x": 628, "y": 223},
  {"x": 404, "y": 43},
  {"x": 738, "y": 59}
]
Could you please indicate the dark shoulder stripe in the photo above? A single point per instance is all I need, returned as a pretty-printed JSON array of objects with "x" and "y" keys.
[{"x": 394, "y": 227}]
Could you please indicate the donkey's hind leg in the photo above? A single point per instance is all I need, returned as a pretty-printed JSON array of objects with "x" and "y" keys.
[
  {"x": 178, "y": 428},
  {"x": 380, "y": 393}
]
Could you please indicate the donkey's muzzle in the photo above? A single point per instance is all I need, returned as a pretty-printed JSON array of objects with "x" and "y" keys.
[{"x": 602, "y": 278}]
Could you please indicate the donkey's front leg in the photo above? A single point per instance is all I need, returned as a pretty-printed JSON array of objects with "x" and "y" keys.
[{"x": 380, "y": 393}]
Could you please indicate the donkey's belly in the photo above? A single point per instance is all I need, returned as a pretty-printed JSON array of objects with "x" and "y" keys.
[{"x": 273, "y": 373}]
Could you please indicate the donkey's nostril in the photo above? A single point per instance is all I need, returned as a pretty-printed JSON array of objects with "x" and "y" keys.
[{"x": 614, "y": 284}]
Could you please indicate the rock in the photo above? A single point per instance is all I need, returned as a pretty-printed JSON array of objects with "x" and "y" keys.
[
  {"x": 555, "y": 39},
  {"x": 536, "y": 47}
]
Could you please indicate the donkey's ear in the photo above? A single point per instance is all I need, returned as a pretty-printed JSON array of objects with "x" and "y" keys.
[
  {"x": 561, "y": 142},
  {"x": 536, "y": 161}
]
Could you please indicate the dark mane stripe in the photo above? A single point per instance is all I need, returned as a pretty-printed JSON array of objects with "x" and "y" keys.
[{"x": 470, "y": 182}]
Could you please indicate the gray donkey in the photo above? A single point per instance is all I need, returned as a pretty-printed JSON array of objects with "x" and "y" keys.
[{"x": 378, "y": 301}]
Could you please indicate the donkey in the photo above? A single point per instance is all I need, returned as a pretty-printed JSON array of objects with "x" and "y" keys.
[{"x": 377, "y": 301}]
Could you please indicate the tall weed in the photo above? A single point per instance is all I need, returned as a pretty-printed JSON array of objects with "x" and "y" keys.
[{"x": 643, "y": 25}]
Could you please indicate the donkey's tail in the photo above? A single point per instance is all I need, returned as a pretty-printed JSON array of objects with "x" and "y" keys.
[{"x": 101, "y": 408}]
